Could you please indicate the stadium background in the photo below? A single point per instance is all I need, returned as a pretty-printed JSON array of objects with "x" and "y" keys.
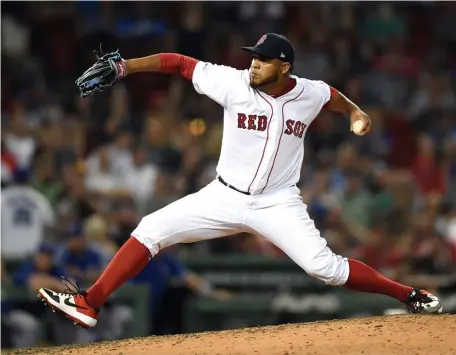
[{"x": 98, "y": 164}]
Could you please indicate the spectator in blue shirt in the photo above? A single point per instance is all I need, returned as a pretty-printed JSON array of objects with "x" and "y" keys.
[
  {"x": 41, "y": 271},
  {"x": 19, "y": 327},
  {"x": 163, "y": 274},
  {"x": 80, "y": 261},
  {"x": 158, "y": 273}
]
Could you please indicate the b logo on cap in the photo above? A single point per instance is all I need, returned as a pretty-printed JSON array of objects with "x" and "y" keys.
[{"x": 261, "y": 40}]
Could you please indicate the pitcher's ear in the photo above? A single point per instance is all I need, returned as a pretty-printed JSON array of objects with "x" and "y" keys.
[{"x": 286, "y": 68}]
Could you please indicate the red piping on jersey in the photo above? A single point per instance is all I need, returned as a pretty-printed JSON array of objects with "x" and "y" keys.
[
  {"x": 267, "y": 138},
  {"x": 173, "y": 63},
  {"x": 280, "y": 139}
]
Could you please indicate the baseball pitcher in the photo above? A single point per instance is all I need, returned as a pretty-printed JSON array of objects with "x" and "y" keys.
[{"x": 267, "y": 111}]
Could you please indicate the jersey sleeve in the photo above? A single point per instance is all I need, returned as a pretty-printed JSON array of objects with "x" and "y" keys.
[
  {"x": 220, "y": 83},
  {"x": 321, "y": 90}
]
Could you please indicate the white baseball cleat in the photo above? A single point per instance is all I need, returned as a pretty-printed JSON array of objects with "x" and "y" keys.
[
  {"x": 71, "y": 305},
  {"x": 422, "y": 302}
]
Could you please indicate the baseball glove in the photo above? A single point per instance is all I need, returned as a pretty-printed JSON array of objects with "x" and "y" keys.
[{"x": 108, "y": 69}]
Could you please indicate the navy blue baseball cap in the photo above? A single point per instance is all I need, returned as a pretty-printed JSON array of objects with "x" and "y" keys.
[{"x": 274, "y": 46}]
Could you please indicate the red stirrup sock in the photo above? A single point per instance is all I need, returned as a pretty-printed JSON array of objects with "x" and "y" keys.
[
  {"x": 129, "y": 260},
  {"x": 365, "y": 279}
]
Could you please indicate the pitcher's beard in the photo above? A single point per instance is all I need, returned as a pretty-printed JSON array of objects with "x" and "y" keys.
[{"x": 265, "y": 83}]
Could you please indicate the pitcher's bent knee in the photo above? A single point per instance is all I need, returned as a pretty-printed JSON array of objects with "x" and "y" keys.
[
  {"x": 142, "y": 233},
  {"x": 331, "y": 268},
  {"x": 153, "y": 247}
]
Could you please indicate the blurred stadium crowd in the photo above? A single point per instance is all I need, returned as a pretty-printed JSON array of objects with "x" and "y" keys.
[{"x": 78, "y": 174}]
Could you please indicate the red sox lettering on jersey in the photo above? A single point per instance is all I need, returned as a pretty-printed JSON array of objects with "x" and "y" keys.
[
  {"x": 262, "y": 147},
  {"x": 250, "y": 122},
  {"x": 259, "y": 123}
]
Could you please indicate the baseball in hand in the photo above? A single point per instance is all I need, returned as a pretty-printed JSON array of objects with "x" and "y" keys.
[{"x": 358, "y": 126}]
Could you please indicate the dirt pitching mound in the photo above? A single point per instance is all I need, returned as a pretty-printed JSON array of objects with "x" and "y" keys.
[{"x": 405, "y": 334}]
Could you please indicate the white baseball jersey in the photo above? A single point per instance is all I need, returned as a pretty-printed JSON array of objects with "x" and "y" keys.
[
  {"x": 262, "y": 152},
  {"x": 262, "y": 147},
  {"x": 25, "y": 213}
]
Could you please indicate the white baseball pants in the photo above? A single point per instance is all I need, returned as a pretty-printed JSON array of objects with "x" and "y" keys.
[{"x": 217, "y": 211}]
